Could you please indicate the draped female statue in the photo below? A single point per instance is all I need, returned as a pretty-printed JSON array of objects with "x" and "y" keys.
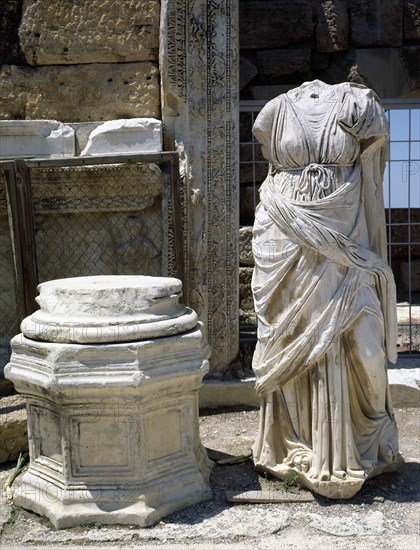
[{"x": 323, "y": 292}]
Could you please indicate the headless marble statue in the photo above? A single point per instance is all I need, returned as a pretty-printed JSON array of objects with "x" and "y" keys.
[{"x": 323, "y": 292}]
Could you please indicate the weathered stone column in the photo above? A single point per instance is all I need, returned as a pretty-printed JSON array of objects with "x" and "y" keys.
[
  {"x": 200, "y": 94},
  {"x": 111, "y": 368}
]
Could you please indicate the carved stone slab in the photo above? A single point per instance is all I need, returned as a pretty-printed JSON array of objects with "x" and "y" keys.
[
  {"x": 132, "y": 135},
  {"x": 261, "y": 497},
  {"x": 36, "y": 138},
  {"x": 57, "y": 32},
  {"x": 80, "y": 93},
  {"x": 245, "y": 246}
]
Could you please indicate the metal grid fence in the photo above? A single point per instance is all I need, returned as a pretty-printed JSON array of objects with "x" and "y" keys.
[
  {"x": 402, "y": 201},
  {"x": 10, "y": 306},
  {"x": 78, "y": 217}
]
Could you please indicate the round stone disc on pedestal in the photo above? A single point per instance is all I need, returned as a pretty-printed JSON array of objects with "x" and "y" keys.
[
  {"x": 108, "y": 308},
  {"x": 111, "y": 367}
]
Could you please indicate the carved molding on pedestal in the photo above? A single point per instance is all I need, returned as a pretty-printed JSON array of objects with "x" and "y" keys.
[{"x": 200, "y": 94}]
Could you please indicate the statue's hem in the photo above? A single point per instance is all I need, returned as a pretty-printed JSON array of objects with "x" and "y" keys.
[{"x": 333, "y": 488}]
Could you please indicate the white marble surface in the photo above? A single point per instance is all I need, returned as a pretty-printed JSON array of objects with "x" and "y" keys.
[
  {"x": 132, "y": 135},
  {"x": 324, "y": 295},
  {"x": 108, "y": 308},
  {"x": 113, "y": 427},
  {"x": 36, "y": 138}
]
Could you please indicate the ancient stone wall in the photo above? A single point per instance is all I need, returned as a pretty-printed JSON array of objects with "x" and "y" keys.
[
  {"x": 286, "y": 42},
  {"x": 79, "y": 61}
]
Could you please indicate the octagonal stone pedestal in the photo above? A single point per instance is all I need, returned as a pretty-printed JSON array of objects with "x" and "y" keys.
[{"x": 111, "y": 368}]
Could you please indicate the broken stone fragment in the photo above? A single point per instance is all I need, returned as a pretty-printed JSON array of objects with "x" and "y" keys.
[{"x": 133, "y": 135}]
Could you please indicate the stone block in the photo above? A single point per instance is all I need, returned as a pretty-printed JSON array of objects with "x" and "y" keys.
[
  {"x": 10, "y": 16},
  {"x": 320, "y": 62},
  {"x": 216, "y": 393},
  {"x": 274, "y": 24},
  {"x": 80, "y": 93},
  {"x": 410, "y": 61},
  {"x": 246, "y": 301},
  {"x": 411, "y": 21},
  {"x": 375, "y": 65},
  {"x": 376, "y": 23},
  {"x": 381, "y": 69},
  {"x": 82, "y": 132},
  {"x": 112, "y": 400},
  {"x": 332, "y": 29},
  {"x": 410, "y": 276},
  {"x": 249, "y": 198},
  {"x": 58, "y": 32},
  {"x": 402, "y": 233},
  {"x": 245, "y": 246},
  {"x": 245, "y": 126},
  {"x": 404, "y": 384},
  {"x": 36, "y": 138},
  {"x": 275, "y": 64},
  {"x": 134, "y": 135},
  {"x": 251, "y": 152},
  {"x": 13, "y": 427},
  {"x": 247, "y": 71},
  {"x": 269, "y": 92}
]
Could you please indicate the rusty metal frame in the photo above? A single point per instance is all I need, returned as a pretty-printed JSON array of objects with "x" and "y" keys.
[
  {"x": 21, "y": 221},
  {"x": 22, "y": 228}
]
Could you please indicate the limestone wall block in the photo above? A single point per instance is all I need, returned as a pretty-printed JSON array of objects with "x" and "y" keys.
[
  {"x": 410, "y": 61},
  {"x": 245, "y": 246},
  {"x": 60, "y": 32},
  {"x": 410, "y": 276},
  {"x": 134, "y": 135},
  {"x": 332, "y": 31},
  {"x": 384, "y": 70},
  {"x": 390, "y": 72},
  {"x": 36, "y": 138},
  {"x": 13, "y": 427},
  {"x": 274, "y": 64},
  {"x": 376, "y": 23},
  {"x": 249, "y": 198},
  {"x": 274, "y": 24},
  {"x": 247, "y": 71},
  {"x": 251, "y": 151},
  {"x": 10, "y": 15},
  {"x": 246, "y": 300},
  {"x": 412, "y": 21},
  {"x": 79, "y": 93}
]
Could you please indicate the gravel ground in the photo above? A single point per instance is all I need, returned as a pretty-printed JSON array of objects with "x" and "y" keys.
[{"x": 385, "y": 514}]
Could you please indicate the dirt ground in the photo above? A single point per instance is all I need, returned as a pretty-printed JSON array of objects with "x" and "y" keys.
[{"x": 385, "y": 514}]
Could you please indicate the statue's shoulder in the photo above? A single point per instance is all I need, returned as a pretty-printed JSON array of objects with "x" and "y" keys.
[{"x": 362, "y": 91}]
